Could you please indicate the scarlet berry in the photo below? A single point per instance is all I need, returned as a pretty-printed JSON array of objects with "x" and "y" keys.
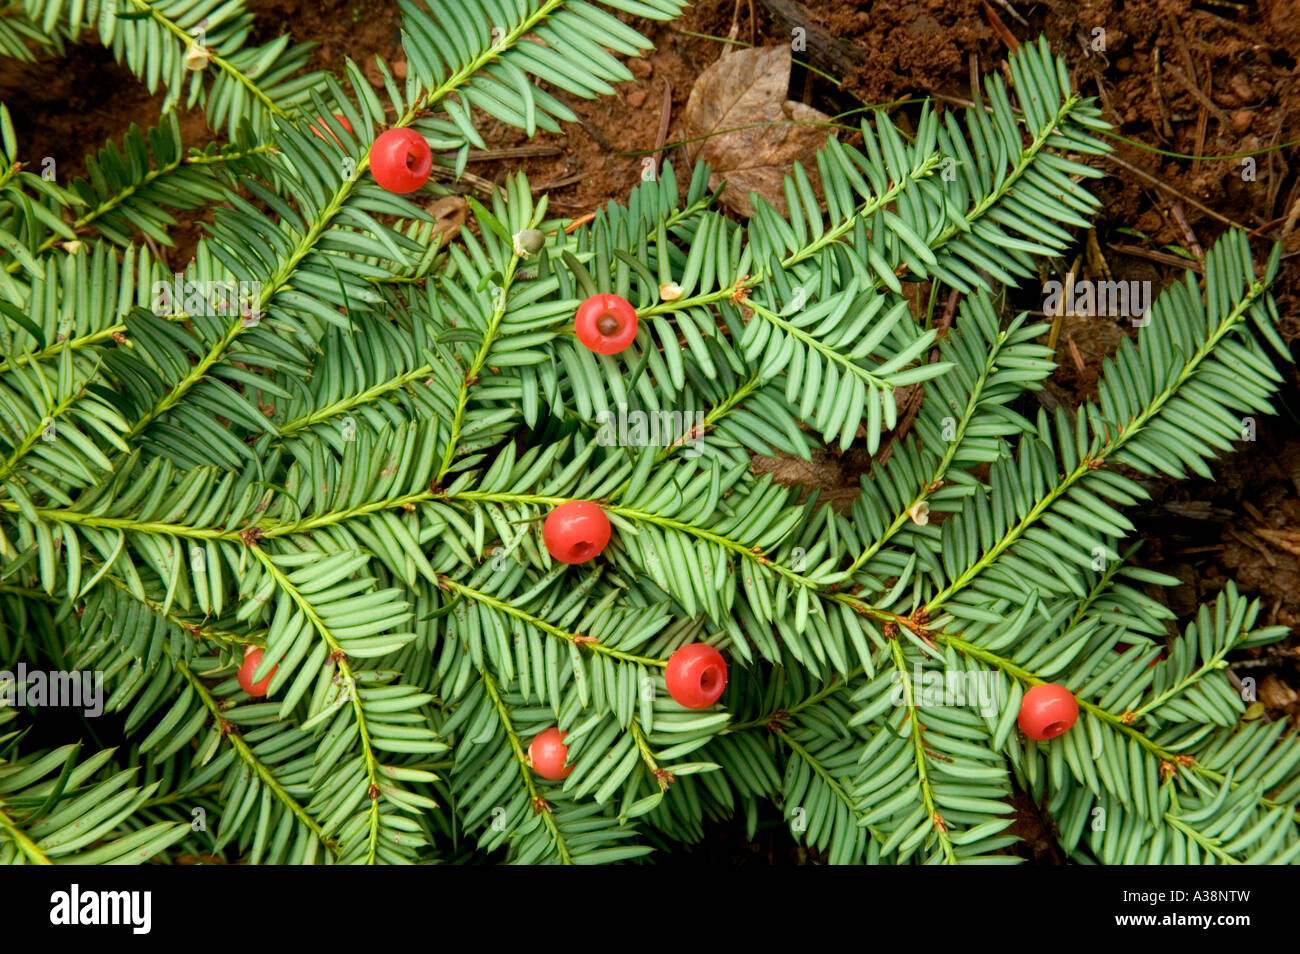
[
  {"x": 1047, "y": 711},
  {"x": 253, "y": 659},
  {"x": 321, "y": 128},
  {"x": 401, "y": 160},
  {"x": 606, "y": 324},
  {"x": 576, "y": 531},
  {"x": 548, "y": 753},
  {"x": 696, "y": 676}
]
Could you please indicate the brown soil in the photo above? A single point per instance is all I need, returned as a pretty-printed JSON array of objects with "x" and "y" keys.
[{"x": 1228, "y": 83}]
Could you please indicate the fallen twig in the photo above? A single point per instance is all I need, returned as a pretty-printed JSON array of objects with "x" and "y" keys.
[
  {"x": 1164, "y": 258},
  {"x": 1199, "y": 95},
  {"x": 1160, "y": 184},
  {"x": 1000, "y": 28}
]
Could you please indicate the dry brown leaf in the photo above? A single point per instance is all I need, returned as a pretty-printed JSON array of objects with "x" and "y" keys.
[
  {"x": 1274, "y": 694},
  {"x": 449, "y": 213},
  {"x": 748, "y": 88},
  {"x": 824, "y": 471}
]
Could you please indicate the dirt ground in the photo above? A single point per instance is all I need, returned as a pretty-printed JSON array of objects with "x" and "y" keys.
[{"x": 1216, "y": 78}]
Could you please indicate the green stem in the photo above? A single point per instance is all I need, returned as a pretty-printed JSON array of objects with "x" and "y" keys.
[
  {"x": 538, "y": 803},
  {"x": 1118, "y": 723},
  {"x": 341, "y": 661},
  {"x": 577, "y": 639},
  {"x": 1097, "y": 457},
  {"x": 307, "y": 244},
  {"x": 221, "y": 63},
  {"x": 830, "y": 355},
  {"x": 1209, "y": 844},
  {"x": 940, "y": 469},
  {"x": 819, "y": 770},
  {"x": 476, "y": 366},
  {"x": 356, "y": 400},
  {"x": 149, "y": 177},
  {"x": 775, "y": 717},
  {"x": 57, "y": 347},
  {"x": 911, "y": 712},
  {"x": 225, "y": 639},
  {"x": 249, "y": 758},
  {"x": 19, "y": 838},
  {"x": 29, "y": 440},
  {"x": 648, "y": 756}
]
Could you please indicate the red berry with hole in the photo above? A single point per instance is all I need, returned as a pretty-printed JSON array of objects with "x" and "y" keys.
[
  {"x": 401, "y": 160},
  {"x": 547, "y": 755},
  {"x": 696, "y": 676},
  {"x": 576, "y": 532},
  {"x": 1047, "y": 711},
  {"x": 606, "y": 324},
  {"x": 253, "y": 659},
  {"x": 321, "y": 129}
]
